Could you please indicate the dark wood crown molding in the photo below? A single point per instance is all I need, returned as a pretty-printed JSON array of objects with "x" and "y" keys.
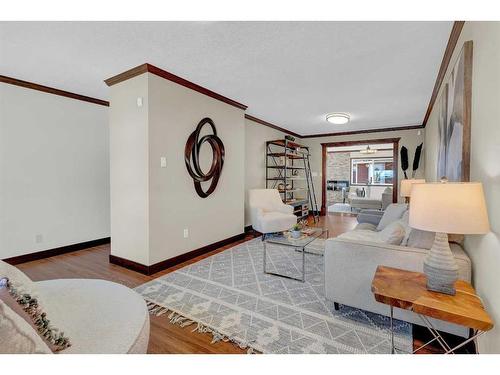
[
  {"x": 148, "y": 68},
  {"x": 362, "y": 142},
  {"x": 268, "y": 124},
  {"x": 366, "y": 131},
  {"x": 51, "y": 90},
  {"x": 448, "y": 53}
]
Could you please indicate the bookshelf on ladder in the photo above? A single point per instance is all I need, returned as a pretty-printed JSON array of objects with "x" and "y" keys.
[{"x": 288, "y": 169}]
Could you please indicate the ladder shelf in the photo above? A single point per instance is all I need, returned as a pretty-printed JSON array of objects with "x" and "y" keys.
[{"x": 288, "y": 170}]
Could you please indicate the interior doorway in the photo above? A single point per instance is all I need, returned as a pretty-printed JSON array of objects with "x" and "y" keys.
[{"x": 359, "y": 174}]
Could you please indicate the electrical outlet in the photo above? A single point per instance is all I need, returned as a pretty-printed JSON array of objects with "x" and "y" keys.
[
  {"x": 163, "y": 162},
  {"x": 186, "y": 233},
  {"x": 39, "y": 238}
]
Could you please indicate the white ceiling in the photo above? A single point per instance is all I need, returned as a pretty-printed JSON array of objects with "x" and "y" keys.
[{"x": 288, "y": 73}]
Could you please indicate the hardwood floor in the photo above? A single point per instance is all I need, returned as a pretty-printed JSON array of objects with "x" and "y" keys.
[{"x": 165, "y": 337}]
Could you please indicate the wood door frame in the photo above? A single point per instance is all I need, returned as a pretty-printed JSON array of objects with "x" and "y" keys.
[{"x": 395, "y": 164}]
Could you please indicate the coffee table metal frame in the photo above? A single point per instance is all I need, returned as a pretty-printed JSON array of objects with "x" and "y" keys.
[{"x": 297, "y": 245}]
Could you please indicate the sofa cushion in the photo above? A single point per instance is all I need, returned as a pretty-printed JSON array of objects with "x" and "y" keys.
[
  {"x": 366, "y": 226},
  {"x": 361, "y": 235},
  {"x": 404, "y": 221},
  {"x": 393, "y": 233},
  {"x": 392, "y": 213},
  {"x": 421, "y": 239}
]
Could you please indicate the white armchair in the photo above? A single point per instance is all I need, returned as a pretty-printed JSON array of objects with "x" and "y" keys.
[{"x": 268, "y": 213}]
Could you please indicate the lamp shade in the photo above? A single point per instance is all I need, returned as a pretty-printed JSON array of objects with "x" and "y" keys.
[
  {"x": 405, "y": 188},
  {"x": 451, "y": 207}
]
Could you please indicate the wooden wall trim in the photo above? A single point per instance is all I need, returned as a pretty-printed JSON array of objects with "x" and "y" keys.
[
  {"x": 448, "y": 53},
  {"x": 468, "y": 61},
  {"x": 57, "y": 251},
  {"x": 160, "y": 266},
  {"x": 129, "y": 264},
  {"x": 361, "y": 142},
  {"x": 268, "y": 124},
  {"x": 170, "y": 77},
  {"x": 366, "y": 131},
  {"x": 51, "y": 90}
]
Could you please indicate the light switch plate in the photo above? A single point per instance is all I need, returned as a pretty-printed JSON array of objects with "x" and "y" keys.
[
  {"x": 163, "y": 162},
  {"x": 139, "y": 102}
]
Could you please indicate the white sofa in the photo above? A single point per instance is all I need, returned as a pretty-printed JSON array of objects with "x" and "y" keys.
[
  {"x": 377, "y": 197},
  {"x": 350, "y": 266},
  {"x": 268, "y": 213}
]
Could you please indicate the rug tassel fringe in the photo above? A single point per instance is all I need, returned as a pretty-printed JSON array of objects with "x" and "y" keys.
[{"x": 183, "y": 321}]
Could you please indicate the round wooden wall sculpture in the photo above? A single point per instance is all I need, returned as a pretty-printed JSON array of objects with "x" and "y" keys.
[{"x": 192, "y": 155}]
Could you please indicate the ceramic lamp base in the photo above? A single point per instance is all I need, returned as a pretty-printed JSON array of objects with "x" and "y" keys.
[{"x": 440, "y": 266}]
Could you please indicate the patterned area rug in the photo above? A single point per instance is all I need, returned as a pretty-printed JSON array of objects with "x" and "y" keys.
[{"x": 229, "y": 296}]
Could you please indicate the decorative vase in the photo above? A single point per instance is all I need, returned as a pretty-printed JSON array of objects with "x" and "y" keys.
[
  {"x": 296, "y": 233},
  {"x": 440, "y": 266}
]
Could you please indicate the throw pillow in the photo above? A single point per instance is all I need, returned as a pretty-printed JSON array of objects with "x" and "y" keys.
[
  {"x": 17, "y": 336},
  {"x": 27, "y": 308},
  {"x": 404, "y": 221},
  {"x": 18, "y": 333},
  {"x": 392, "y": 213},
  {"x": 421, "y": 239},
  {"x": 392, "y": 234},
  {"x": 26, "y": 294}
]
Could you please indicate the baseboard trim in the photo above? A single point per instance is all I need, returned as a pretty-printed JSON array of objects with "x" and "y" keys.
[
  {"x": 163, "y": 265},
  {"x": 129, "y": 264},
  {"x": 56, "y": 251},
  {"x": 248, "y": 228}
]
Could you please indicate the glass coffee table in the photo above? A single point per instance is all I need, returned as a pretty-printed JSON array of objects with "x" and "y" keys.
[{"x": 300, "y": 244}]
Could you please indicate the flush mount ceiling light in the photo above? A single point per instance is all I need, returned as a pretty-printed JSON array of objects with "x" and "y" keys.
[
  {"x": 368, "y": 150},
  {"x": 338, "y": 118}
]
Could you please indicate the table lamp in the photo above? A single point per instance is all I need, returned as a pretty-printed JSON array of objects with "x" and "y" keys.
[
  {"x": 405, "y": 188},
  {"x": 446, "y": 207}
]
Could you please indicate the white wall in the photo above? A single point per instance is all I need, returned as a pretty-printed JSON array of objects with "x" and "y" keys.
[
  {"x": 409, "y": 138},
  {"x": 256, "y": 136},
  {"x": 485, "y": 167},
  {"x": 54, "y": 171},
  {"x": 129, "y": 156},
  {"x": 151, "y": 206},
  {"x": 174, "y": 113}
]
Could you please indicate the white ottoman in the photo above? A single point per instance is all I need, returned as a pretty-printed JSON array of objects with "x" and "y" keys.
[{"x": 98, "y": 316}]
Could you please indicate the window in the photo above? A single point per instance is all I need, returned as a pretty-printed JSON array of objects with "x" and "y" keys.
[{"x": 371, "y": 171}]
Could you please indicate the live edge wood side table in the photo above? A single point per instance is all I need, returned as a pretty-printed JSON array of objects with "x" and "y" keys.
[{"x": 407, "y": 290}]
